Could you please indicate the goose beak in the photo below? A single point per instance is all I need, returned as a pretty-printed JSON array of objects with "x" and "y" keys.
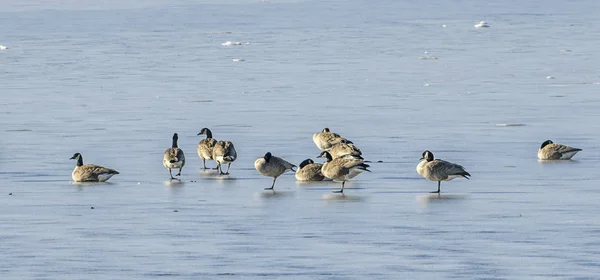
[{"x": 72, "y": 158}]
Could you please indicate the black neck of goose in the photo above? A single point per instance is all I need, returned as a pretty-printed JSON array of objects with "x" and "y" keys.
[
  {"x": 304, "y": 163},
  {"x": 79, "y": 160},
  {"x": 208, "y": 133},
  {"x": 546, "y": 143},
  {"x": 328, "y": 156},
  {"x": 174, "y": 142}
]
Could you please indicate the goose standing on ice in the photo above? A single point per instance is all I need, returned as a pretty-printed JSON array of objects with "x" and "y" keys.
[
  {"x": 206, "y": 145},
  {"x": 342, "y": 169},
  {"x": 551, "y": 151},
  {"x": 309, "y": 171},
  {"x": 224, "y": 152},
  {"x": 90, "y": 172},
  {"x": 439, "y": 170},
  {"x": 272, "y": 166},
  {"x": 174, "y": 157},
  {"x": 326, "y": 139}
]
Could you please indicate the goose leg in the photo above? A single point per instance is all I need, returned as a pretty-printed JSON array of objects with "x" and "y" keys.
[
  {"x": 220, "y": 168},
  {"x": 171, "y": 174},
  {"x": 179, "y": 174},
  {"x": 438, "y": 191},
  {"x": 204, "y": 162},
  {"x": 342, "y": 189},
  {"x": 228, "y": 166},
  {"x": 273, "y": 185}
]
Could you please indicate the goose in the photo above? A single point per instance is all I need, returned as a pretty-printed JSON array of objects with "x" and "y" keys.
[
  {"x": 272, "y": 166},
  {"x": 174, "y": 157},
  {"x": 206, "y": 145},
  {"x": 482, "y": 24},
  {"x": 326, "y": 139},
  {"x": 342, "y": 169},
  {"x": 550, "y": 151},
  {"x": 439, "y": 170},
  {"x": 90, "y": 172},
  {"x": 224, "y": 152},
  {"x": 345, "y": 149},
  {"x": 309, "y": 171}
]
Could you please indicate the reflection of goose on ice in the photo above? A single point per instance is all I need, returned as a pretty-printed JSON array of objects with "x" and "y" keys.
[
  {"x": 173, "y": 183},
  {"x": 230, "y": 43},
  {"x": 341, "y": 197},
  {"x": 482, "y": 24},
  {"x": 425, "y": 199},
  {"x": 426, "y": 56},
  {"x": 275, "y": 194}
]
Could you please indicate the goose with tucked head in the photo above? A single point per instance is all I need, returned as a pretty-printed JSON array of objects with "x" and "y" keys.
[
  {"x": 224, "y": 152},
  {"x": 272, "y": 166},
  {"x": 326, "y": 139},
  {"x": 174, "y": 157},
  {"x": 345, "y": 149},
  {"x": 552, "y": 151},
  {"x": 308, "y": 170},
  {"x": 342, "y": 169},
  {"x": 439, "y": 170},
  {"x": 90, "y": 172},
  {"x": 206, "y": 145}
]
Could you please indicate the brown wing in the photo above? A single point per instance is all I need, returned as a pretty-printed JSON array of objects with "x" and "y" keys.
[{"x": 90, "y": 172}]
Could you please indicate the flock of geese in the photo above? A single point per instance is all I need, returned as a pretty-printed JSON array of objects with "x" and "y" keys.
[{"x": 344, "y": 161}]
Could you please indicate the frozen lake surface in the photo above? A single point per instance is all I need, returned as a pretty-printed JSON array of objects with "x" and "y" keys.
[{"x": 115, "y": 79}]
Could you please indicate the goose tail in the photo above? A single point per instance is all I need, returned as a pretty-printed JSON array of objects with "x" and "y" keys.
[{"x": 364, "y": 167}]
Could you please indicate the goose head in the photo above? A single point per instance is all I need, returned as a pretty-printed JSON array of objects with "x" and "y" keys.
[
  {"x": 547, "y": 142},
  {"x": 325, "y": 154},
  {"x": 79, "y": 158},
  {"x": 206, "y": 131},
  {"x": 306, "y": 162},
  {"x": 325, "y": 129},
  {"x": 427, "y": 155},
  {"x": 268, "y": 156},
  {"x": 76, "y": 156},
  {"x": 346, "y": 141}
]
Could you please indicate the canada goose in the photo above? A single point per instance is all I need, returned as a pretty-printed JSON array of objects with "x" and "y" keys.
[
  {"x": 90, "y": 172},
  {"x": 550, "y": 151},
  {"x": 326, "y": 139},
  {"x": 342, "y": 169},
  {"x": 309, "y": 171},
  {"x": 345, "y": 149},
  {"x": 271, "y": 166},
  {"x": 206, "y": 145},
  {"x": 174, "y": 157},
  {"x": 439, "y": 170},
  {"x": 224, "y": 152}
]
